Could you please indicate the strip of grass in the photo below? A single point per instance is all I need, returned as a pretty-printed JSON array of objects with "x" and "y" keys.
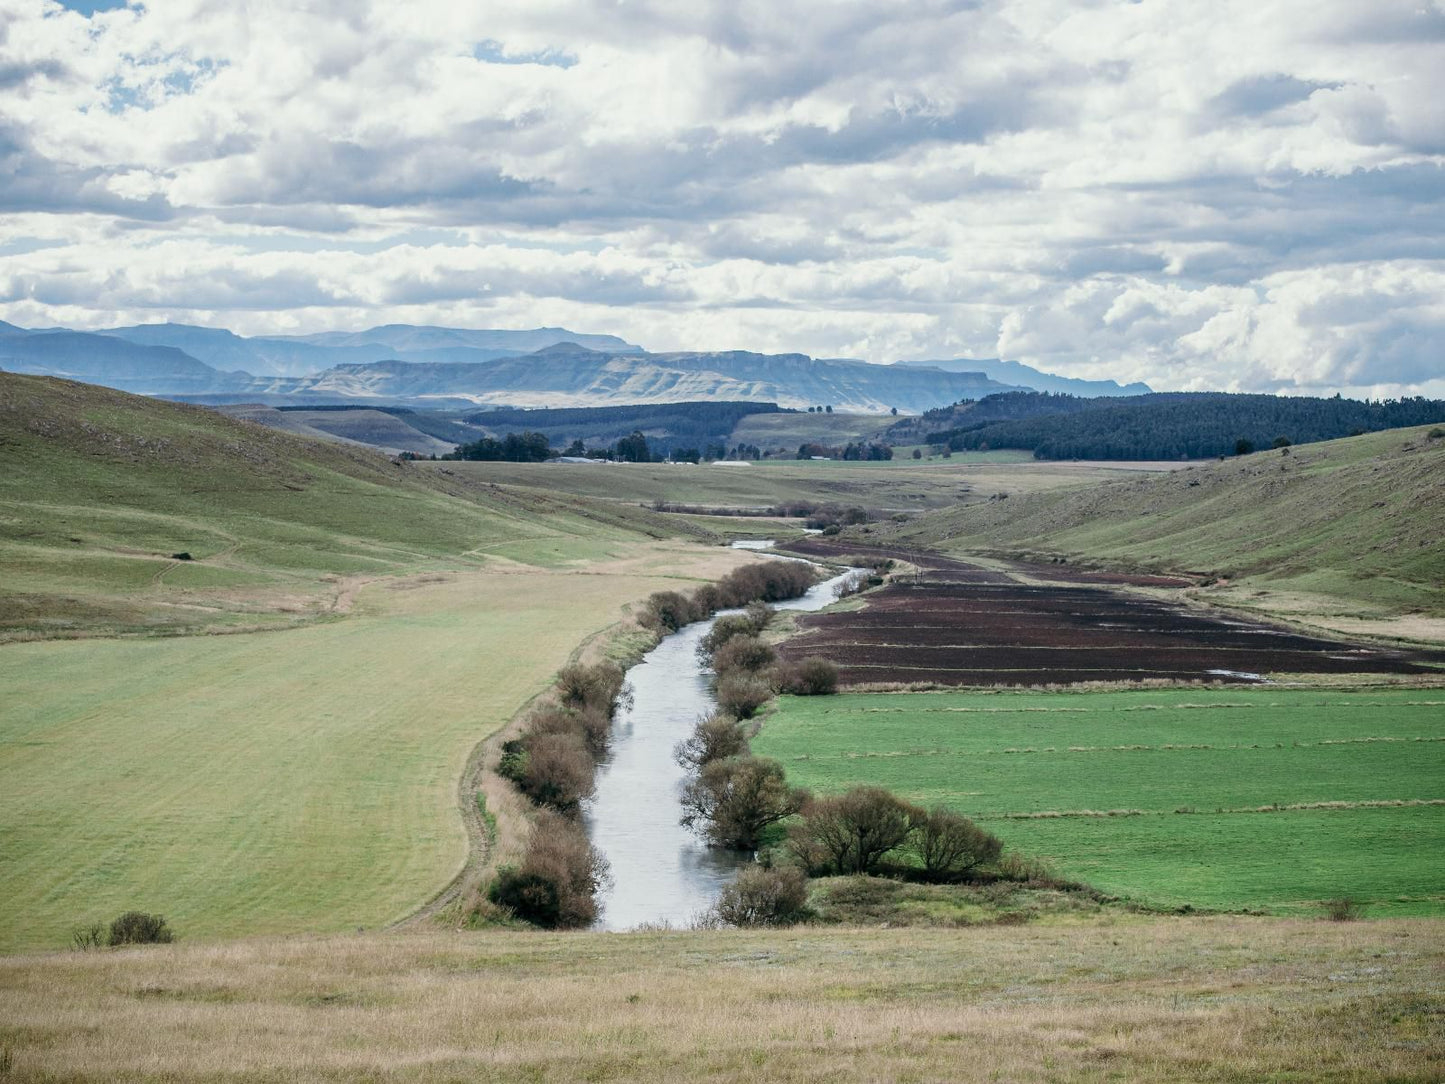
[{"x": 1154, "y": 794}]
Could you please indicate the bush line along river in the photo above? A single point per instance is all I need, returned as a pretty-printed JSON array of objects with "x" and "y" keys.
[{"x": 661, "y": 872}]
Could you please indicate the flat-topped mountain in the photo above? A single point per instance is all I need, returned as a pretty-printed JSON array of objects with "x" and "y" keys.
[{"x": 1021, "y": 375}]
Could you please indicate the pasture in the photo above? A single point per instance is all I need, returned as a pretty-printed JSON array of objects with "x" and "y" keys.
[
  {"x": 1242, "y": 798},
  {"x": 1133, "y": 999},
  {"x": 899, "y": 485},
  {"x": 283, "y": 781}
]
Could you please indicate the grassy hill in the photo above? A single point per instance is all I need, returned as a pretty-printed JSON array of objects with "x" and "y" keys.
[
  {"x": 1358, "y": 519},
  {"x": 101, "y": 488}
]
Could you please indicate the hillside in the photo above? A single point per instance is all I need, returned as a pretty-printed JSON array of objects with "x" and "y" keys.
[
  {"x": 1358, "y": 519},
  {"x": 101, "y": 488},
  {"x": 1170, "y": 425}
]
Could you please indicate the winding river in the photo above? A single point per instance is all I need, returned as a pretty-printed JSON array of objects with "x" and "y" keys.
[{"x": 661, "y": 873}]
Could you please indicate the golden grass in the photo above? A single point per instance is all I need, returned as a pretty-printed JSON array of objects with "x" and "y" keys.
[{"x": 1219, "y": 999}]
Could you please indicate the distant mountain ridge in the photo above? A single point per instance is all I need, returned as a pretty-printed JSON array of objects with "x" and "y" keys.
[
  {"x": 401, "y": 364},
  {"x": 302, "y": 355},
  {"x": 1020, "y": 375}
]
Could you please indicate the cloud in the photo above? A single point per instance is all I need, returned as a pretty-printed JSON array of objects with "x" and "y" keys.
[{"x": 1230, "y": 195}]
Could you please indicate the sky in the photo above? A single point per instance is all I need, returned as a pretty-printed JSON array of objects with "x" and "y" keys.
[{"x": 1245, "y": 195}]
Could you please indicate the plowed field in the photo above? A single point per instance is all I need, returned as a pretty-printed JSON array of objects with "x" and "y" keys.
[{"x": 958, "y": 624}]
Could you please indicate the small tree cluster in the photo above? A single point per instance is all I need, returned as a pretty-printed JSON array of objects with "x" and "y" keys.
[
  {"x": 554, "y": 764},
  {"x": 767, "y": 581},
  {"x": 857, "y": 831},
  {"x": 557, "y": 883}
]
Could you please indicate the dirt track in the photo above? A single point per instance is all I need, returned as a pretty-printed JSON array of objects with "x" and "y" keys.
[{"x": 957, "y": 624}]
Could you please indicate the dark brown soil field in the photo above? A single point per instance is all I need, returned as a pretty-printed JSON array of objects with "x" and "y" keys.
[{"x": 956, "y": 624}]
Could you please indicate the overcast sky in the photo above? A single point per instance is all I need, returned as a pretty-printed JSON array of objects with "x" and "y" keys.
[{"x": 1241, "y": 194}]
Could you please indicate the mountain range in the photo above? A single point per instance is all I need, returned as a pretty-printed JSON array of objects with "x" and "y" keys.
[{"x": 402, "y": 364}]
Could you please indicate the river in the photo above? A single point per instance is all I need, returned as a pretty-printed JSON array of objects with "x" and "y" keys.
[{"x": 661, "y": 873}]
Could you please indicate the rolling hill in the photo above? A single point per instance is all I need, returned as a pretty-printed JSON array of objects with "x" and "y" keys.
[
  {"x": 102, "y": 488},
  {"x": 1357, "y": 520}
]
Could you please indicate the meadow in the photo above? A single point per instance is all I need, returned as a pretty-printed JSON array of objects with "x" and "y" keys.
[
  {"x": 1243, "y": 798},
  {"x": 1128, "y": 999},
  {"x": 281, "y": 781},
  {"x": 898, "y": 485}
]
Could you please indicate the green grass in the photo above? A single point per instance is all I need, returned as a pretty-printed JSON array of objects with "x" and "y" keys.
[
  {"x": 896, "y": 485},
  {"x": 1358, "y": 519},
  {"x": 100, "y": 488},
  {"x": 278, "y": 781},
  {"x": 1156, "y": 795}
]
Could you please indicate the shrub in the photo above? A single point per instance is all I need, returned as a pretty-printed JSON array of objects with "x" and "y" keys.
[
  {"x": 94, "y": 936},
  {"x": 139, "y": 928},
  {"x": 599, "y": 686},
  {"x": 759, "y": 614},
  {"x": 532, "y": 897},
  {"x": 730, "y": 802},
  {"x": 741, "y": 695},
  {"x": 557, "y": 771},
  {"x": 723, "y": 630},
  {"x": 668, "y": 611},
  {"x": 743, "y": 654},
  {"x": 557, "y": 883},
  {"x": 949, "y": 844},
  {"x": 715, "y": 737},
  {"x": 851, "y": 833},
  {"x": 1017, "y": 867},
  {"x": 810, "y": 677},
  {"x": 1343, "y": 909},
  {"x": 764, "y": 897}
]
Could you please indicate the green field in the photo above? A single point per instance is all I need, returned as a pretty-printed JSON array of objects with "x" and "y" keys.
[
  {"x": 279, "y": 781},
  {"x": 885, "y": 486},
  {"x": 1167, "y": 797}
]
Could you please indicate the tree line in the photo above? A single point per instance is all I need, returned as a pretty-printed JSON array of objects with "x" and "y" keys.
[{"x": 1181, "y": 425}]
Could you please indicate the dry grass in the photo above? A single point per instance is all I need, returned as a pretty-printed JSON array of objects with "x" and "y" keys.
[{"x": 1222, "y": 999}]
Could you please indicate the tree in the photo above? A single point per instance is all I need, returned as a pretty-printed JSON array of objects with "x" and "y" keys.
[
  {"x": 576, "y": 448},
  {"x": 730, "y": 802},
  {"x": 633, "y": 448},
  {"x": 893, "y": 411},
  {"x": 850, "y": 833},
  {"x": 829, "y": 408},
  {"x": 714, "y": 737},
  {"x": 949, "y": 844}
]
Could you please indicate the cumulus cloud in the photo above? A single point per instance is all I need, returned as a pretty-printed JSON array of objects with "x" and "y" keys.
[{"x": 1230, "y": 195}]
